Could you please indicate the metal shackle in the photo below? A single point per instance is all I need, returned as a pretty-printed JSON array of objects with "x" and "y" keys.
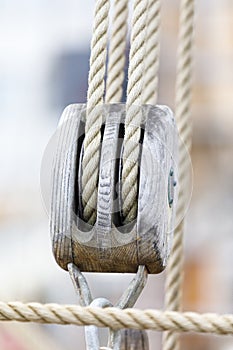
[{"x": 110, "y": 245}]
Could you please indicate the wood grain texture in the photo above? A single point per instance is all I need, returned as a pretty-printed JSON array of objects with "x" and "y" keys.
[
  {"x": 64, "y": 174},
  {"x": 109, "y": 246}
]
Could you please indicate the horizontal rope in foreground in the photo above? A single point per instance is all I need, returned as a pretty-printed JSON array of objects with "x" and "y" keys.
[{"x": 116, "y": 318}]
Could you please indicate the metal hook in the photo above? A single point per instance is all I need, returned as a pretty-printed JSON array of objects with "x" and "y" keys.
[
  {"x": 80, "y": 285},
  {"x": 128, "y": 299},
  {"x": 91, "y": 332}
]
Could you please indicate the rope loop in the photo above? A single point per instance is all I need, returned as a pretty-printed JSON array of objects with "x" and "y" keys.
[{"x": 141, "y": 89}]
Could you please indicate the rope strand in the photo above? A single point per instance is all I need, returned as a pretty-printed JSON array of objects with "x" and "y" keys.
[
  {"x": 117, "y": 52},
  {"x": 142, "y": 88},
  {"x": 133, "y": 116},
  {"x": 174, "y": 275},
  {"x": 116, "y": 318},
  {"x": 96, "y": 86},
  {"x": 150, "y": 90}
]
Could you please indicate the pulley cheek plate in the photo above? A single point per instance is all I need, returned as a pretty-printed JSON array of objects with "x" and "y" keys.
[{"x": 110, "y": 245}]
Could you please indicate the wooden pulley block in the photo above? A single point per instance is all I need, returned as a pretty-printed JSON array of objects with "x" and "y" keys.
[{"x": 110, "y": 245}]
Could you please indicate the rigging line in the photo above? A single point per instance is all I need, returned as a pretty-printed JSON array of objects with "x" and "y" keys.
[
  {"x": 142, "y": 88},
  {"x": 174, "y": 271},
  {"x": 95, "y": 96}
]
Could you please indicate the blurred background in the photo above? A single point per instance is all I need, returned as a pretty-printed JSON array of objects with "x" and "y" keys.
[{"x": 44, "y": 57}]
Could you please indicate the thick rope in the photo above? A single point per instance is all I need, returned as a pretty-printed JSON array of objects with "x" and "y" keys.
[
  {"x": 116, "y": 318},
  {"x": 174, "y": 276},
  {"x": 117, "y": 52},
  {"x": 150, "y": 89},
  {"x": 142, "y": 88},
  {"x": 90, "y": 162},
  {"x": 133, "y": 117}
]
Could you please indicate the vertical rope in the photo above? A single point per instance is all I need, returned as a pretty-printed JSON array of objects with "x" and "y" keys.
[
  {"x": 150, "y": 90},
  {"x": 132, "y": 121},
  {"x": 117, "y": 52},
  {"x": 174, "y": 276},
  {"x": 142, "y": 88},
  {"x": 95, "y": 96}
]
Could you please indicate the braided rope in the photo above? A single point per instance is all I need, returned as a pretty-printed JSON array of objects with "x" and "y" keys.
[
  {"x": 95, "y": 96},
  {"x": 135, "y": 87},
  {"x": 117, "y": 50},
  {"x": 142, "y": 89},
  {"x": 174, "y": 276},
  {"x": 116, "y": 318},
  {"x": 150, "y": 90},
  {"x": 143, "y": 53}
]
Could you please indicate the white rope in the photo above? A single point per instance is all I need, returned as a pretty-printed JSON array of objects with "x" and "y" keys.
[
  {"x": 90, "y": 163},
  {"x": 116, "y": 318},
  {"x": 117, "y": 52},
  {"x": 142, "y": 88},
  {"x": 150, "y": 89},
  {"x": 133, "y": 117},
  {"x": 174, "y": 275}
]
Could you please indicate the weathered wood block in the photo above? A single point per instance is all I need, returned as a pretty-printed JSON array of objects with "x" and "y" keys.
[{"x": 109, "y": 245}]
